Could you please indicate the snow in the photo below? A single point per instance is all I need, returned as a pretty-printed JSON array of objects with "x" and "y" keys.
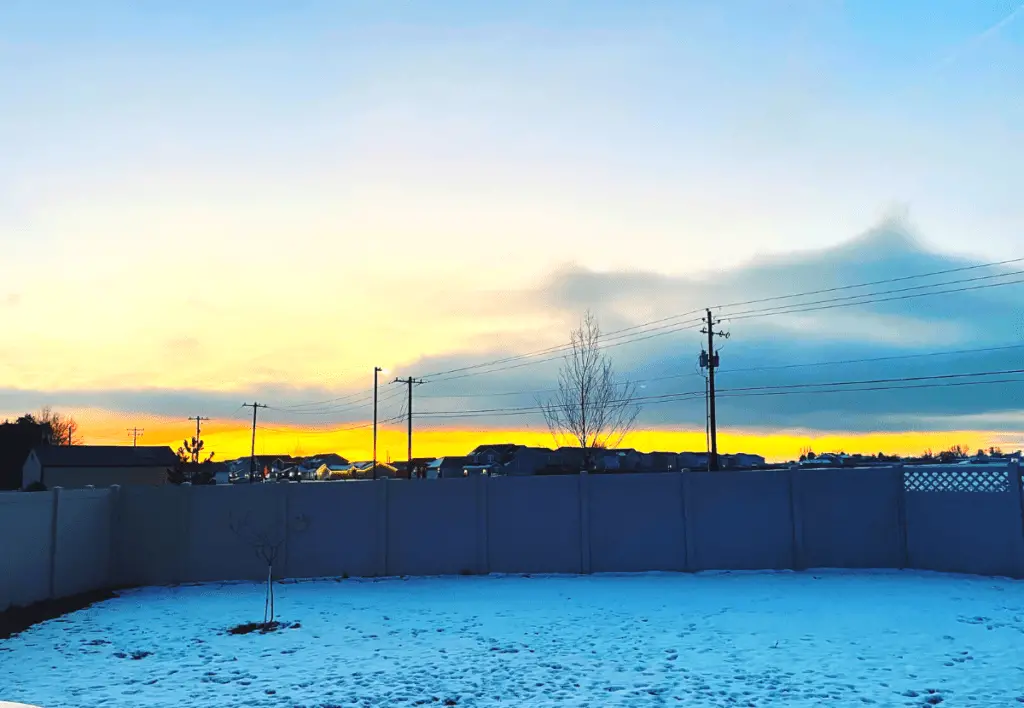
[{"x": 726, "y": 639}]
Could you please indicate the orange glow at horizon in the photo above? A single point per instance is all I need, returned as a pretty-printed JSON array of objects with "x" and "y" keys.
[{"x": 232, "y": 439}]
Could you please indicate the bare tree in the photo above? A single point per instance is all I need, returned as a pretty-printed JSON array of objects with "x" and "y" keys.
[
  {"x": 591, "y": 408},
  {"x": 267, "y": 543},
  {"x": 63, "y": 428}
]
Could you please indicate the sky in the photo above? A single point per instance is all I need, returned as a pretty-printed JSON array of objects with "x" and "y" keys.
[{"x": 203, "y": 204}]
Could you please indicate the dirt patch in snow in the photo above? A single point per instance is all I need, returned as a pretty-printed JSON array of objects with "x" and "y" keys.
[{"x": 15, "y": 620}]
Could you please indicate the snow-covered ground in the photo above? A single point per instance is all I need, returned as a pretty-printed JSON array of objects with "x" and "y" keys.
[{"x": 732, "y": 639}]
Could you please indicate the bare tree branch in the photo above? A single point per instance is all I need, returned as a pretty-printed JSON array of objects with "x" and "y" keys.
[
  {"x": 591, "y": 408},
  {"x": 267, "y": 543},
  {"x": 63, "y": 428}
]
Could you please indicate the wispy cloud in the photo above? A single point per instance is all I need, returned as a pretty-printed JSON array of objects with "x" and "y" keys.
[{"x": 981, "y": 37}]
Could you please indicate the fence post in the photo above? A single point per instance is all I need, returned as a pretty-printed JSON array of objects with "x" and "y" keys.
[
  {"x": 53, "y": 542},
  {"x": 796, "y": 520},
  {"x": 584, "y": 488},
  {"x": 901, "y": 515},
  {"x": 688, "y": 538},
  {"x": 185, "y": 547},
  {"x": 483, "y": 544},
  {"x": 113, "y": 574},
  {"x": 287, "y": 521},
  {"x": 1017, "y": 486},
  {"x": 382, "y": 527}
]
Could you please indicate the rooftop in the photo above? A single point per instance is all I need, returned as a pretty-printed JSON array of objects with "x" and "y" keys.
[{"x": 105, "y": 456}]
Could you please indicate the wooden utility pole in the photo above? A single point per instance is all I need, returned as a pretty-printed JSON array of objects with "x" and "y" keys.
[
  {"x": 195, "y": 449},
  {"x": 134, "y": 432},
  {"x": 709, "y": 360},
  {"x": 376, "y": 370},
  {"x": 252, "y": 456},
  {"x": 409, "y": 382}
]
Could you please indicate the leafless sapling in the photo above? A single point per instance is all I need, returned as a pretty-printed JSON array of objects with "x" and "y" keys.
[
  {"x": 267, "y": 542},
  {"x": 592, "y": 407}
]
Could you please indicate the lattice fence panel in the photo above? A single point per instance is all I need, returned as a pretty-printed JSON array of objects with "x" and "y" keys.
[{"x": 966, "y": 480}]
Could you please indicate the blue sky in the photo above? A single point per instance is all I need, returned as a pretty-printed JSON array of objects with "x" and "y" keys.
[{"x": 179, "y": 175}]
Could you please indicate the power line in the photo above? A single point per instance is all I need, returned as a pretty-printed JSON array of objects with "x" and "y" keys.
[
  {"x": 616, "y": 334},
  {"x": 837, "y": 362},
  {"x": 757, "y": 313},
  {"x": 768, "y": 310},
  {"x": 894, "y": 357},
  {"x": 332, "y": 431},
  {"x": 884, "y": 281},
  {"x": 334, "y": 410},
  {"x": 943, "y": 384},
  {"x": 765, "y": 312},
  {"x": 734, "y": 392},
  {"x": 698, "y": 395},
  {"x": 340, "y": 399},
  {"x": 559, "y": 356},
  {"x": 560, "y": 349}
]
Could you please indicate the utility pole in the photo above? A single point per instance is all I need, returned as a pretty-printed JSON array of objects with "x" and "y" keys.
[
  {"x": 252, "y": 456},
  {"x": 195, "y": 450},
  {"x": 376, "y": 370},
  {"x": 135, "y": 433},
  {"x": 409, "y": 382},
  {"x": 709, "y": 359}
]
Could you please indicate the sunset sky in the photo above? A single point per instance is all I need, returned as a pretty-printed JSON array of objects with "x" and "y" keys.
[{"x": 208, "y": 203}]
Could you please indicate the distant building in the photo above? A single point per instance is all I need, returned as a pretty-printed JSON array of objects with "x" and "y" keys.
[
  {"x": 356, "y": 470},
  {"x": 493, "y": 454},
  {"x": 417, "y": 470},
  {"x": 528, "y": 461},
  {"x": 76, "y": 466},
  {"x": 660, "y": 462},
  {"x": 328, "y": 458},
  {"x": 693, "y": 461},
  {"x": 743, "y": 460},
  {"x": 446, "y": 467}
]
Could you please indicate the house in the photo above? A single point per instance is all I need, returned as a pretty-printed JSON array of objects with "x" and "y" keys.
[
  {"x": 382, "y": 471},
  {"x": 76, "y": 466},
  {"x": 528, "y": 461},
  {"x": 743, "y": 460},
  {"x": 493, "y": 454},
  {"x": 356, "y": 470},
  {"x": 627, "y": 460},
  {"x": 660, "y": 462},
  {"x": 265, "y": 466},
  {"x": 445, "y": 467},
  {"x": 484, "y": 470},
  {"x": 418, "y": 468},
  {"x": 571, "y": 458},
  {"x": 327, "y": 458},
  {"x": 693, "y": 461},
  {"x": 200, "y": 473},
  {"x": 221, "y": 474},
  {"x": 333, "y": 471}
]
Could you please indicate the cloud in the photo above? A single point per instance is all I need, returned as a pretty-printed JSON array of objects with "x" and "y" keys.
[
  {"x": 976, "y": 39},
  {"x": 10, "y": 300},
  {"x": 781, "y": 350},
  {"x": 902, "y": 327}
]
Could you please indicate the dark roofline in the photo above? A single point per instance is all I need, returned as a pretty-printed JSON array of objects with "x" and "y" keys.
[{"x": 118, "y": 456}]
